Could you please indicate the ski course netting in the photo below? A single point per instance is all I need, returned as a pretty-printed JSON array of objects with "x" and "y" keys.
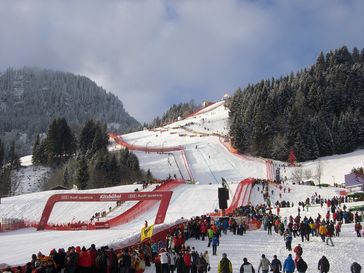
[
  {"x": 242, "y": 195},
  {"x": 120, "y": 141},
  {"x": 142, "y": 206}
]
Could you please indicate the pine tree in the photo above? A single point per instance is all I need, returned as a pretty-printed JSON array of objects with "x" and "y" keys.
[
  {"x": 60, "y": 142},
  {"x": 100, "y": 140},
  {"x": 14, "y": 159},
  {"x": 66, "y": 178},
  {"x": 82, "y": 174},
  {"x": 2, "y": 153},
  {"x": 87, "y": 136},
  {"x": 39, "y": 152},
  {"x": 114, "y": 170},
  {"x": 133, "y": 162}
]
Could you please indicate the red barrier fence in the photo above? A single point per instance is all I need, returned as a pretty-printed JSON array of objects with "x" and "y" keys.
[
  {"x": 120, "y": 141},
  {"x": 143, "y": 206},
  {"x": 163, "y": 196}
]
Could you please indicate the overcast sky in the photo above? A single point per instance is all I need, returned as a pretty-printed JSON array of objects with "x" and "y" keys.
[{"x": 154, "y": 53}]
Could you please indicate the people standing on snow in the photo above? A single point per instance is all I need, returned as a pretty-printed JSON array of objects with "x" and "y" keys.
[
  {"x": 264, "y": 264},
  {"x": 246, "y": 267},
  {"x": 201, "y": 264},
  {"x": 358, "y": 228},
  {"x": 288, "y": 265},
  {"x": 207, "y": 258},
  {"x": 276, "y": 265},
  {"x": 299, "y": 251},
  {"x": 225, "y": 265},
  {"x": 288, "y": 239},
  {"x": 180, "y": 264},
  {"x": 215, "y": 242},
  {"x": 330, "y": 233},
  {"x": 301, "y": 265},
  {"x": 323, "y": 265}
]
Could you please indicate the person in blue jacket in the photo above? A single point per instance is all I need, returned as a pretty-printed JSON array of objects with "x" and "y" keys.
[
  {"x": 215, "y": 243},
  {"x": 288, "y": 265}
]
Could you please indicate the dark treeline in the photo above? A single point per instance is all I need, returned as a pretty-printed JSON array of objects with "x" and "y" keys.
[
  {"x": 319, "y": 111},
  {"x": 84, "y": 160},
  {"x": 173, "y": 113},
  {"x": 30, "y": 98}
]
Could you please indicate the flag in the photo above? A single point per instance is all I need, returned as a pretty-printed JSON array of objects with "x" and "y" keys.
[{"x": 146, "y": 233}]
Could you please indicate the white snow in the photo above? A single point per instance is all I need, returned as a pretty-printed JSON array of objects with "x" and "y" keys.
[{"x": 209, "y": 160}]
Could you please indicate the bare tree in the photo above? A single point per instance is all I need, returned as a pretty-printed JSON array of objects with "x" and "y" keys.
[
  {"x": 318, "y": 172},
  {"x": 307, "y": 174},
  {"x": 297, "y": 175}
]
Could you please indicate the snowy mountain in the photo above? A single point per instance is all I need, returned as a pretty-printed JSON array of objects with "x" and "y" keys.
[{"x": 30, "y": 98}]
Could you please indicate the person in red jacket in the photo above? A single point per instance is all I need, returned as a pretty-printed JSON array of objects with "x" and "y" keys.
[
  {"x": 84, "y": 261},
  {"x": 203, "y": 230},
  {"x": 188, "y": 262},
  {"x": 299, "y": 251}
]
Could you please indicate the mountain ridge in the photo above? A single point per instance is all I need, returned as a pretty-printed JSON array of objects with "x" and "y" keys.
[{"x": 31, "y": 97}]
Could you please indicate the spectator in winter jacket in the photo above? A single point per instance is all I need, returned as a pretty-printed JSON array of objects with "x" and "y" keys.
[
  {"x": 288, "y": 265},
  {"x": 323, "y": 265},
  {"x": 276, "y": 265},
  {"x": 180, "y": 264},
  {"x": 84, "y": 261},
  {"x": 71, "y": 261},
  {"x": 264, "y": 264},
  {"x": 188, "y": 262},
  {"x": 246, "y": 267},
  {"x": 301, "y": 265},
  {"x": 164, "y": 257},
  {"x": 288, "y": 239},
  {"x": 358, "y": 228},
  {"x": 355, "y": 267},
  {"x": 201, "y": 264},
  {"x": 329, "y": 234},
  {"x": 207, "y": 257},
  {"x": 215, "y": 242},
  {"x": 225, "y": 265}
]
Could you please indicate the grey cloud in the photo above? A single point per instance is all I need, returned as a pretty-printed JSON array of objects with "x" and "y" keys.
[{"x": 153, "y": 53}]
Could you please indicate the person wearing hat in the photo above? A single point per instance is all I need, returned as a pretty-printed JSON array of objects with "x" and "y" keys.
[
  {"x": 225, "y": 265},
  {"x": 246, "y": 267}
]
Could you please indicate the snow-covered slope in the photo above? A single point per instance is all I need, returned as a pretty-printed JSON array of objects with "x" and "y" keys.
[
  {"x": 209, "y": 160},
  {"x": 202, "y": 134}
]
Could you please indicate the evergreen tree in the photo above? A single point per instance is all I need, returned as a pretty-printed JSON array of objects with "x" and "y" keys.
[
  {"x": 133, "y": 162},
  {"x": 66, "y": 178},
  {"x": 14, "y": 159},
  {"x": 2, "y": 153},
  {"x": 319, "y": 111},
  {"x": 39, "y": 152},
  {"x": 87, "y": 136},
  {"x": 100, "y": 140},
  {"x": 114, "y": 170},
  {"x": 60, "y": 142},
  {"x": 82, "y": 174}
]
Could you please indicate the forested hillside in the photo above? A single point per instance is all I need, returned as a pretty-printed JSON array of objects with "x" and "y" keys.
[
  {"x": 318, "y": 111},
  {"x": 173, "y": 113},
  {"x": 31, "y": 98}
]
